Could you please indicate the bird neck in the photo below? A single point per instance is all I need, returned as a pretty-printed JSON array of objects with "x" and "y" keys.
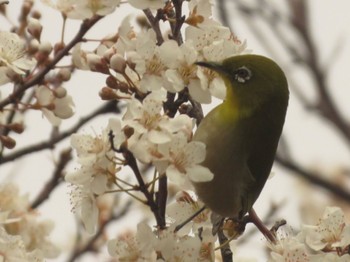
[{"x": 231, "y": 107}]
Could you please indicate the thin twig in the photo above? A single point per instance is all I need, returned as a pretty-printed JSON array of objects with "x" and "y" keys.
[
  {"x": 131, "y": 162},
  {"x": 155, "y": 25},
  {"x": 85, "y": 26},
  {"x": 179, "y": 20},
  {"x": 225, "y": 249},
  {"x": 56, "y": 178}
]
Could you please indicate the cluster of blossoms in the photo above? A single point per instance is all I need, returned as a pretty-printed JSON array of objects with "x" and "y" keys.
[
  {"x": 157, "y": 81},
  {"x": 328, "y": 240},
  {"x": 143, "y": 72},
  {"x": 22, "y": 236},
  {"x": 151, "y": 245}
]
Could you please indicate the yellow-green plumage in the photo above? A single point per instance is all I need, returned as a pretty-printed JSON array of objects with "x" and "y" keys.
[{"x": 242, "y": 133}]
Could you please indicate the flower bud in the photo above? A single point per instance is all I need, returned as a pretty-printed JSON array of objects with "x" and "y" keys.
[
  {"x": 128, "y": 131},
  {"x": 111, "y": 82},
  {"x": 16, "y": 127},
  {"x": 131, "y": 64},
  {"x": 107, "y": 93},
  {"x": 64, "y": 74},
  {"x": 33, "y": 46},
  {"x": 8, "y": 142},
  {"x": 36, "y": 14},
  {"x": 34, "y": 27},
  {"x": 45, "y": 47},
  {"x": 118, "y": 63},
  {"x": 60, "y": 92},
  {"x": 109, "y": 53},
  {"x": 58, "y": 47},
  {"x": 97, "y": 64}
]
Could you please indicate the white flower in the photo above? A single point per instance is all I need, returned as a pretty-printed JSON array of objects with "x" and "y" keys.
[
  {"x": 12, "y": 248},
  {"x": 184, "y": 160},
  {"x": 288, "y": 249},
  {"x": 29, "y": 239},
  {"x": 184, "y": 207},
  {"x": 329, "y": 257},
  {"x": 79, "y": 58},
  {"x": 143, "y": 4},
  {"x": 66, "y": 7},
  {"x": 146, "y": 117},
  {"x": 128, "y": 247},
  {"x": 96, "y": 158},
  {"x": 186, "y": 248},
  {"x": 151, "y": 127},
  {"x": 330, "y": 232},
  {"x": 12, "y": 57},
  {"x": 201, "y": 7},
  {"x": 148, "y": 61},
  {"x": 54, "y": 108},
  {"x": 83, "y": 9},
  {"x": 11, "y": 200},
  {"x": 182, "y": 72},
  {"x": 98, "y": 169},
  {"x": 89, "y": 8},
  {"x": 214, "y": 43},
  {"x": 84, "y": 204},
  {"x": 35, "y": 234}
]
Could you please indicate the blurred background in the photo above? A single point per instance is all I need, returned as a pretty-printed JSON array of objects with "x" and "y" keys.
[{"x": 310, "y": 41}]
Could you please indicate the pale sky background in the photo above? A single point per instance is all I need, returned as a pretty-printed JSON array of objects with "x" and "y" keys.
[{"x": 313, "y": 143}]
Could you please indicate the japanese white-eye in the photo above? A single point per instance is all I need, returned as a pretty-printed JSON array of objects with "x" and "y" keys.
[{"x": 242, "y": 133}]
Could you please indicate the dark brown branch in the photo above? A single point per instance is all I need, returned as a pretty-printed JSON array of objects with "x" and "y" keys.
[
  {"x": 110, "y": 107},
  {"x": 56, "y": 178},
  {"x": 179, "y": 20},
  {"x": 90, "y": 245},
  {"x": 314, "y": 178},
  {"x": 85, "y": 26},
  {"x": 162, "y": 195},
  {"x": 131, "y": 162},
  {"x": 225, "y": 249},
  {"x": 154, "y": 21}
]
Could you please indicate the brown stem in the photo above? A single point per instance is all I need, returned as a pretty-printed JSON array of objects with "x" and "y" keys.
[
  {"x": 225, "y": 249},
  {"x": 180, "y": 19},
  {"x": 131, "y": 162},
  {"x": 260, "y": 225},
  {"x": 155, "y": 25},
  {"x": 162, "y": 195}
]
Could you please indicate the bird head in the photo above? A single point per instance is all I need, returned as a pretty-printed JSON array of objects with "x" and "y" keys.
[{"x": 251, "y": 80}]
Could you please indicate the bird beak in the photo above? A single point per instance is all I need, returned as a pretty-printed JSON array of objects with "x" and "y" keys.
[{"x": 217, "y": 67}]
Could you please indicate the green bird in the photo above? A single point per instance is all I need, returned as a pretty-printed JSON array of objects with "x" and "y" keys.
[{"x": 241, "y": 134}]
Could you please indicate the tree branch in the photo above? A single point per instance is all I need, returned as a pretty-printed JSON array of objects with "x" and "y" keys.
[
  {"x": 56, "y": 178},
  {"x": 85, "y": 26},
  {"x": 131, "y": 161},
  {"x": 313, "y": 178},
  {"x": 109, "y": 107}
]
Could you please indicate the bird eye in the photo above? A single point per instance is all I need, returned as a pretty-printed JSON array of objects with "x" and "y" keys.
[{"x": 242, "y": 74}]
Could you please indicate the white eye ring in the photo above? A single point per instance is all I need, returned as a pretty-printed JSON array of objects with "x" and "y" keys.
[{"x": 243, "y": 74}]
